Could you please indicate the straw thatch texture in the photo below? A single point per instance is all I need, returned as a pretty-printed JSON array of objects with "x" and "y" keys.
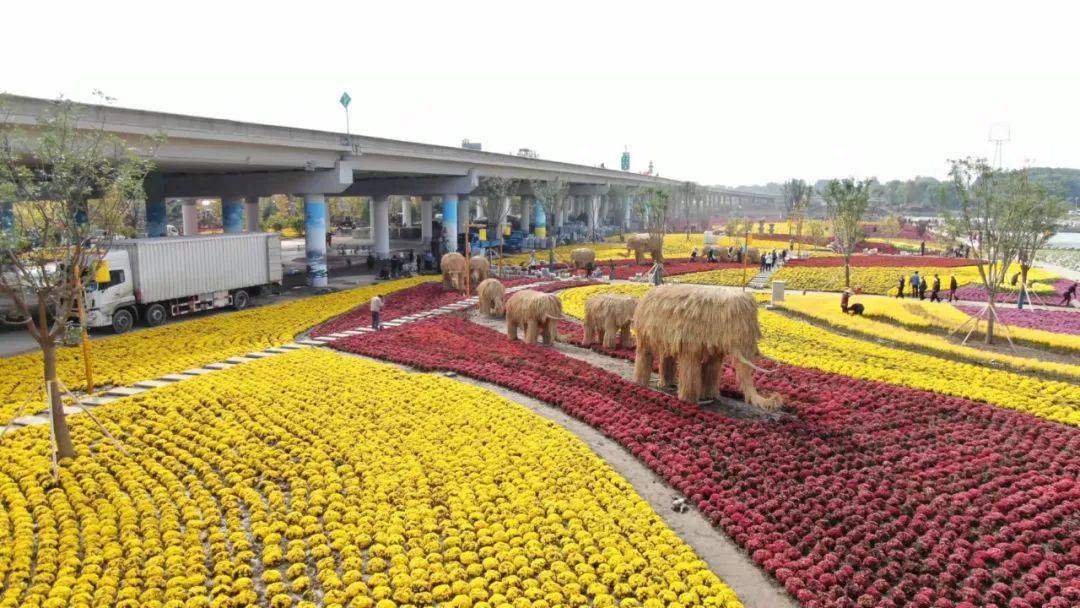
[
  {"x": 608, "y": 317},
  {"x": 582, "y": 257},
  {"x": 453, "y": 271},
  {"x": 692, "y": 328},
  {"x": 538, "y": 312},
  {"x": 479, "y": 269},
  {"x": 490, "y": 293},
  {"x": 643, "y": 243}
]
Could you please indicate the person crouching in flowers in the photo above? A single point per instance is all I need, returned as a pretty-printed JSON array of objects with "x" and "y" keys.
[
  {"x": 848, "y": 308},
  {"x": 376, "y": 309}
]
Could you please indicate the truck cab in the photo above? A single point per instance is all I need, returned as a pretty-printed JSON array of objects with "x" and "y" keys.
[{"x": 112, "y": 302}]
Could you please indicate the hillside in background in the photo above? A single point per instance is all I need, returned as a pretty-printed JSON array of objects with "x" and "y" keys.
[{"x": 921, "y": 193}]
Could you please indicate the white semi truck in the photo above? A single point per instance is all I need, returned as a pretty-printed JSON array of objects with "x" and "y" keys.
[{"x": 153, "y": 279}]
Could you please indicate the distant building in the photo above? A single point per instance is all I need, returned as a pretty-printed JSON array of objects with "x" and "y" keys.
[
  {"x": 471, "y": 145},
  {"x": 528, "y": 153}
]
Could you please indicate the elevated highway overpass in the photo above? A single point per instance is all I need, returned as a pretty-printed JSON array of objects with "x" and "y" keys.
[{"x": 240, "y": 161}]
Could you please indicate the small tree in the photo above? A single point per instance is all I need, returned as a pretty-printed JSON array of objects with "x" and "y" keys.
[
  {"x": 846, "y": 201},
  {"x": 550, "y": 195},
  {"x": 72, "y": 182},
  {"x": 990, "y": 217},
  {"x": 619, "y": 195},
  {"x": 1042, "y": 212},
  {"x": 796, "y": 194},
  {"x": 891, "y": 225},
  {"x": 655, "y": 204},
  {"x": 688, "y": 194},
  {"x": 496, "y": 202}
]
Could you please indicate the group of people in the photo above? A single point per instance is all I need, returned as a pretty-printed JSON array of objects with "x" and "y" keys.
[
  {"x": 773, "y": 259},
  {"x": 918, "y": 286}
]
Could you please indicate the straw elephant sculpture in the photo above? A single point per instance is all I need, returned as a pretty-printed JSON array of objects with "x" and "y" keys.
[
  {"x": 539, "y": 313},
  {"x": 582, "y": 258},
  {"x": 490, "y": 297},
  {"x": 479, "y": 269},
  {"x": 690, "y": 329},
  {"x": 453, "y": 271},
  {"x": 608, "y": 318},
  {"x": 643, "y": 243}
]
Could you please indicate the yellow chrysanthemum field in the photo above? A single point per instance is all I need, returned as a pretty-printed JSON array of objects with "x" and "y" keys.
[
  {"x": 316, "y": 479},
  {"x": 173, "y": 348}
]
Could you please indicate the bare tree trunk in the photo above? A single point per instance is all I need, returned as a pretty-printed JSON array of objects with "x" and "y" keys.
[
  {"x": 64, "y": 447},
  {"x": 990, "y": 317},
  {"x": 847, "y": 271}
]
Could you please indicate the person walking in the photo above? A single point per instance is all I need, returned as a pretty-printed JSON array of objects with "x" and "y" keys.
[
  {"x": 952, "y": 287},
  {"x": 900, "y": 288},
  {"x": 1070, "y": 293},
  {"x": 935, "y": 288},
  {"x": 922, "y": 288},
  {"x": 376, "y": 306},
  {"x": 916, "y": 285},
  {"x": 922, "y": 248}
]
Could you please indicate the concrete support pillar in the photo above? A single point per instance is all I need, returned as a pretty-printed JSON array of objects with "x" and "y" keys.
[
  {"x": 406, "y": 212},
  {"x": 232, "y": 214},
  {"x": 381, "y": 227},
  {"x": 425, "y": 220},
  {"x": 594, "y": 215},
  {"x": 462, "y": 214},
  {"x": 251, "y": 214},
  {"x": 526, "y": 211},
  {"x": 7, "y": 218},
  {"x": 626, "y": 212},
  {"x": 540, "y": 229},
  {"x": 449, "y": 222},
  {"x": 503, "y": 219},
  {"x": 156, "y": 220},
  {"x": 190, "y": 213},
  {"x": 315, "y": 238}
]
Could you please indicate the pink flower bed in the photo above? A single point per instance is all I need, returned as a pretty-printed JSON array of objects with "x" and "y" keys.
[
  {"x": 867, "y": 261},
  {"x": 1057, "y": 321},
  {"x": 875, "y": 495},
  {"x": 978, "y": 293}
]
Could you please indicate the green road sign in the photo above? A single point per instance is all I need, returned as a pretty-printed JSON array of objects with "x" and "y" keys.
[{"x": 345, "y": 99}]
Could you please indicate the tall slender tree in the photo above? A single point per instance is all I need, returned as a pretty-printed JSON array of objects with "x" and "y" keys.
[
  {"x": 999, "y": 214},
  {"x": 551, "y": 195},
  {"x": 496, "y": 193},
  {"x": 796, "y": 193},
  {"x": 846, "y": 201},
  {"x": 73, "y": 182}
]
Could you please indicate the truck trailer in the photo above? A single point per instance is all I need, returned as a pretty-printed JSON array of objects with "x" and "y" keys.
[{"x": 150, "y": 280}]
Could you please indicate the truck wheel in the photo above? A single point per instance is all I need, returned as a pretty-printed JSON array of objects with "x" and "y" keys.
[
  {"x": 155, "y": 315},
  {"x": 240, "y": 299},
  {"x": 123, "y": 321}
]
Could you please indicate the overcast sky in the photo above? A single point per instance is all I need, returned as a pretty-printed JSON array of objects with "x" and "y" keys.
[{"x": 718, "y": 92}]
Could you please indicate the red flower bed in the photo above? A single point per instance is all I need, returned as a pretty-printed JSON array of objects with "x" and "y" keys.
[
  {"x": 397, "y": 304},
  {"x": 876, "y": 495},
  {"x": 922, "y": 261}
]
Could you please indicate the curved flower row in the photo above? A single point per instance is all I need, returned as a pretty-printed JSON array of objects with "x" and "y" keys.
[
  {"x": 315, "y": 479},
  {"x": 826, "y": 308},
  {"x": 882, "y": 280},
  {"x": 151, "y": 353},
  {"x": 1055, "y": 321},
  {"x": 887, "y": 261},
  {"x": 874, "y": 496},
  {"x": 1050, "y": 289},
  {"x": 922, "y": 315},
  {"x": 798, "y": 343},
  {"x": 734, "y": 277},
  {"x": 424, "y": 296}
]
